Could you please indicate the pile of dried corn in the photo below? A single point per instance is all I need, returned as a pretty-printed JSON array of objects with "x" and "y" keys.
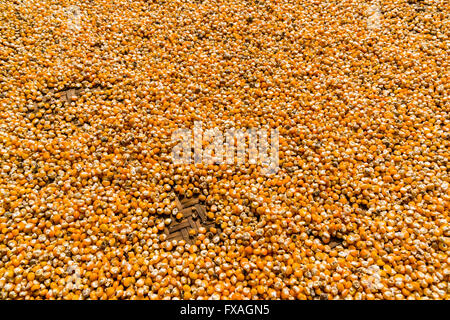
[{"x": 91, "y": 92}]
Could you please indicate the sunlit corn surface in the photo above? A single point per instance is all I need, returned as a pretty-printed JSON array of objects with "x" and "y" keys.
[{"x": 91, "y": 92}]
